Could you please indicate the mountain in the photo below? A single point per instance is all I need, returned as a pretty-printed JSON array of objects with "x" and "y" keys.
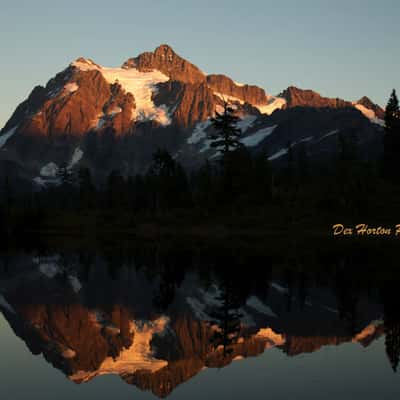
[
  {"x": 115, "y": 118},
  {"x": 372, "y": 111}
]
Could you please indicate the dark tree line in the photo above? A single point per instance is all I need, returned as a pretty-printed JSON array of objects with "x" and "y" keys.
[{"x": 237, "y": 186}]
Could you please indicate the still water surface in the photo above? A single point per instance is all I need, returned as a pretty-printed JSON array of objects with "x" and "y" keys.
[{"x": 75, "y": 327}]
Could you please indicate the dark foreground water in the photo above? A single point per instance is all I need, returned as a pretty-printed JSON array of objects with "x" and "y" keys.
[{"x": 151, "y": 323}]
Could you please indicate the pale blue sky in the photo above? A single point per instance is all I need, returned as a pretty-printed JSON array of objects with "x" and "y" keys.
[{"x": 341, "y": 48}]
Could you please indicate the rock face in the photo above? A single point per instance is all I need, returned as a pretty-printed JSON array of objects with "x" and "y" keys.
[
  {"x": 70, "y": 337},
  {"x": 367, "y": 103},
  {"x": 73, "y": 114},
  {"x": 31, "y": 105},
  {"x": 190, "y": 102},
  {"x": 72, "y": 104},
  {"x": 299, "y": 345},
  {"x": 296, "y": 97},
  {"x": 169, "y": 63},
  {"x": 247, "y": 93}
]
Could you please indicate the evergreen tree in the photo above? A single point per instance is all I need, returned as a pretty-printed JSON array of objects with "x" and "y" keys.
[
  {"x": 225, "y": 138},
  {"x": 203, "y": 187},
  {"x": 106, "y": 147},
  {"x": 226, "y": 133},
  {"x": 392, "y": 342},
  {"x": 392, "y": 113},
  {"x": 227, "y": 316},
  {"x": 392, "y": 139},
  {"x": 237, "y": 179},
  {"x": 183, "y": 197},
  {"x": 348, "y": 147},
  {"x": 63, "y": 191},
  {"x": 159, "y": 177},
  {"x": 303, "y": 166},
  {"x": 139, "y": 192},
  {"x": 163, "y": 164},
  {"x": 391, "y": 303},
  {"x": 261, "y": 179},
  {"x": 87, "y": 190},
  {"x": 168, "y": 182},
  {"x": 64, "y": 175},
  {"x": 349, "y": 174},
  {"x": 115, "y": 193}
]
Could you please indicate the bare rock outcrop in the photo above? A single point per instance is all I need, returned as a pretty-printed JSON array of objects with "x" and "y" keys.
[
  {"x": 169, "y": 63},
  {"x": 296, "y": 97}
]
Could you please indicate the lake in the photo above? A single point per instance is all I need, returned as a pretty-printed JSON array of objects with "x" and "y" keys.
[{"x": 147, "y": 321}]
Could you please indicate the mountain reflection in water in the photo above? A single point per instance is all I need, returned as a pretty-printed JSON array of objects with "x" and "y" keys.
[{"x": 157, "y": 320}]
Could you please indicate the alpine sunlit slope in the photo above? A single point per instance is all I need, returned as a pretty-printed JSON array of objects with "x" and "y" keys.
[{"x": 115, "y": 118}]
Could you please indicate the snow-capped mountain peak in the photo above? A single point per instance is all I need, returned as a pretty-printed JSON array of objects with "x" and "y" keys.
[{"x": 159, "y": 99}]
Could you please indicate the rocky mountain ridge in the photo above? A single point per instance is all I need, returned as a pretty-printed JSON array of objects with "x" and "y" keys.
[{"x": 159, "y": 99}]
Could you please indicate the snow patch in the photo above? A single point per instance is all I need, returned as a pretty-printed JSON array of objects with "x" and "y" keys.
[
  {"x": 258, "y": 305},
  {"x": 279, "y": 288},
  {"x": 252, "y": 140},
  {"x": 199, "y": 132},
  {"x": 246, "y": 319},
  {"x": 115, "y": 111},
  {"x": 284, "y": 151},
  {"x": 49, "y": 269},
  {"x": 69, "y": 353},
  {"x": 141, "y": 84},
  {"x": 76, "y": 157},
  {"x": 219, "y": 109},
  {"x": 367, "y": 331},
  {"x": 48, "y": 173},
  {"x": 159, "y": 114},
  {"x": 4, "y": 303},
  {"x": 246, "y": 122},
  {"x": 227, "y": 98},
  {"x": 273, "y": 338},
  {"x": 39, "y": 181},
  {"x": 71, "y": 87},
  {"x": 138, "y": 356},
  {"x": 100, "y": 122},
  {"x": 113, "y": 329},
  {"x": 48, "y": 265},
  {"x": 198, "y": 309},
  {"x": 275, "y": 103},
  {"x": 85, "y": 64},
  {"x": 49, "y": 170},
  {"x": 211, "y": 299},
  {"x": 255, "y": 138},
  {"x": 330, "y": 309},
  {"x": 329, "y": 134},
  {"x": 75, "y": 283},
  {"x": 6, "y": 136},
  {"x": 278, "y": 154},
  {"x": 370, "y": 114}
]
